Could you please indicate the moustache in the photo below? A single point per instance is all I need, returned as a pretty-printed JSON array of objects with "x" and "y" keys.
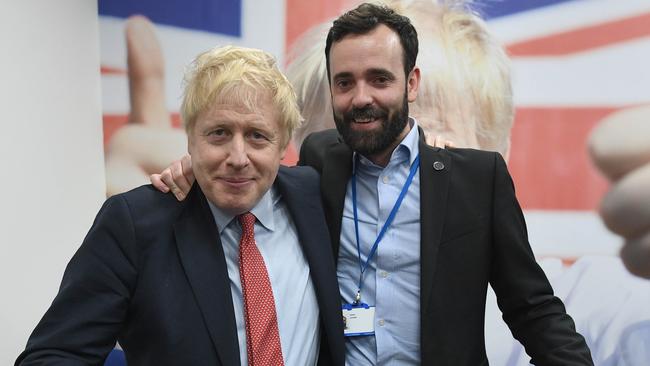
[{"x": 365, "y": 113}]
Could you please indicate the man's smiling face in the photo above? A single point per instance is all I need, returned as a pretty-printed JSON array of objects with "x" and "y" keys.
[
  {"x": 236, "y": 153},
  {"x": 370, "y": 92}
]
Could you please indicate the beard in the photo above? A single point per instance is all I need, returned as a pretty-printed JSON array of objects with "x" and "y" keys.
[{"x": 368, "y": 143}]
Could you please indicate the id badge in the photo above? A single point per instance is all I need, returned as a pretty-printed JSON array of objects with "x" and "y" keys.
[{"x": 358, "y": 320}]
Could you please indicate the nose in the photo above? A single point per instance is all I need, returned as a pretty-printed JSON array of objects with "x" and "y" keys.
[
  {"x": 361, "y": 97},
  {"x": 237, "y": 154}
]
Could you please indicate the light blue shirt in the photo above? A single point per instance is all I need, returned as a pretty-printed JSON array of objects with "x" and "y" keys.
[
  {"x": 295, "y": 298},
  {"x": 392, "y": 280}
]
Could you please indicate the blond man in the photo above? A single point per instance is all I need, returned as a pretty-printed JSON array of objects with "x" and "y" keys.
[{"x": 241, "y": 272}]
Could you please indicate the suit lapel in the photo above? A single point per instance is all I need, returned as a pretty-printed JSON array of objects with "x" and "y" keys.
[
  {"x": 305, "y": 211},
  {"x": 434, "y": 186},
  {"x": 203, "y": 260},
  {"x": 337, "y": 170}
]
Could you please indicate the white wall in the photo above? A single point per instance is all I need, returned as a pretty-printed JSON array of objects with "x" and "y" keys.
[{"x": 51, "y": 158}]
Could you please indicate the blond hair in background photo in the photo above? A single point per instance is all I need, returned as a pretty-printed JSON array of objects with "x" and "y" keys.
[{"x": 465, "y": 92}]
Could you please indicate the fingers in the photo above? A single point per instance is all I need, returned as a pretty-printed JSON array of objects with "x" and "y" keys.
[
  {"x": 146, "y": 150},
  {"x": 181, "y": 185},
  {"x": 636, "y": 256},
  {"x": 626, "y": 207},
  {"x": 620, "y": 148},
  {"x": 122, "y": 174},
  {"x": 441, "y": 142},
  {"x": 621, "y": 142},
  {"x": 151, "y": 148},
  {"x": 157, "y": 182},
  {"x": 438, "y": 142},
  {"x": 435, "y": 141},
  {"x": 173, "y": 179},
  {"x": 186, "y": 163},
  {"x": 146, "y": 72}
]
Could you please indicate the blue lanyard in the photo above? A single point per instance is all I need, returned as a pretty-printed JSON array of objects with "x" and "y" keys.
[{"x": 389, "y": 220}]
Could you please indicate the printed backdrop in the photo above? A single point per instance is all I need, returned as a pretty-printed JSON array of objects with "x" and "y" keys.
[{"x": 574, "y": 62}]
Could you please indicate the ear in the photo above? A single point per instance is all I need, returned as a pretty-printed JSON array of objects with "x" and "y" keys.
[{"x": 412, "y": 84}]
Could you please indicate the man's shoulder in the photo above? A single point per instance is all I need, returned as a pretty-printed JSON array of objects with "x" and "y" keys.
[
  {"x": 147, "y": 202},
  {"x": 468, "y": 164},
  {"x": 299, "y": 177},
  {"x": 323, "y": 138},
  {"x": 314, "y": 148},
  {"x": 147, "y": 195},
  {"x": 299, "y": 172},
  {"x": 471, "y": 158},
  {"x": 470, "y": 154}
]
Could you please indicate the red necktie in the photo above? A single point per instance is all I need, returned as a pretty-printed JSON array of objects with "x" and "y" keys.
[{"x": 262, "y": 336}]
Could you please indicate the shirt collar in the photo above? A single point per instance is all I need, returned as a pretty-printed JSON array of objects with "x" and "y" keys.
[
  {"x": 263, "y": 211},
  {"x": 408, "y": 148},
  {"x": 410, "y": 143}
]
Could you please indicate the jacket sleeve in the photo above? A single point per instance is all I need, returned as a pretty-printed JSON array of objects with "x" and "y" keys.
[
  {"x": 82, "y": 324},
  {"x": 535, "y": 316}
]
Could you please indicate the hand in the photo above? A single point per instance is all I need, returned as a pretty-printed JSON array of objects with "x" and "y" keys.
[
  {"x": 620, "y": 148},
  {"x": 439, "y": 141},
  {"x": 148, "y": 143},
  {"x": 178, "y": 177}
]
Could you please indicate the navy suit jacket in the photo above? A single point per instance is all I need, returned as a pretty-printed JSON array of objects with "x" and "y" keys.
[
  {"x": 472, "y": 233},
  {"x": 151, "y": 273}
]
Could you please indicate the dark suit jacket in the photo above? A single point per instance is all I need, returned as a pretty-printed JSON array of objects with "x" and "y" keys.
[
  {"x": 472, "y": 233},
  {"x": 151, "y": 273}
]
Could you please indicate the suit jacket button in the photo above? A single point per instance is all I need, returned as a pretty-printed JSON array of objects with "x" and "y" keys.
[{"x": 438, "y": 165}]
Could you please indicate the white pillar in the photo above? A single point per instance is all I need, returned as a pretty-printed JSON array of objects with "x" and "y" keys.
[{"x": 51, "y": 153}]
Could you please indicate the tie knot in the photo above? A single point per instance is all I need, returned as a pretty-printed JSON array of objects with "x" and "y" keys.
[{"x": 247, "y": 222}]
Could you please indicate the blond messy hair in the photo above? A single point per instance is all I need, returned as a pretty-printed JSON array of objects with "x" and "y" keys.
[
  {"x": 466, "y": 82},
  {"x": 465, "y": 91},
  {"x": 238, "y": 75}
]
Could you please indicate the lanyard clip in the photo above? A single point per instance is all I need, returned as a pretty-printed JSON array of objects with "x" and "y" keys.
[{"x": 357, "y": 299}]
